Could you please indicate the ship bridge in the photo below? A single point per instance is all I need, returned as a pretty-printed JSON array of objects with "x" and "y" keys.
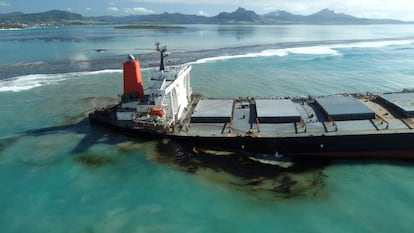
[{"x": 164, "y": 100}]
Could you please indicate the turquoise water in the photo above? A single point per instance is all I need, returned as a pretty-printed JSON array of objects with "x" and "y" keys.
[{"x": 59, "y": 174}]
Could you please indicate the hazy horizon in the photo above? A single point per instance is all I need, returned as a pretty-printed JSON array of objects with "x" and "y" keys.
[{"x": 374, "y": 9}]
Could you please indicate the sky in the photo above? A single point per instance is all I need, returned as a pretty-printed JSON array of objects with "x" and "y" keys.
[{"x": 390, "y": 9}]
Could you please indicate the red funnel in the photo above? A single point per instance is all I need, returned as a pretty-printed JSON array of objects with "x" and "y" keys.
[{"x": 133, "y": 79}]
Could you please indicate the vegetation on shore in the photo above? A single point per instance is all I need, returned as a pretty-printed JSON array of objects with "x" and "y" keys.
[
  {"x": 11, "y": 26},
  {"x": 19, "y": 20}
]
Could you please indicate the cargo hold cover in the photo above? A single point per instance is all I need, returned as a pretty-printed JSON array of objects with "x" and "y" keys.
[
  {"x": 276, "y": 111},
  {"x": 403, "y": 102},
  {"x": 342, "y": 108},
  {"x": 212, "y": 111}
]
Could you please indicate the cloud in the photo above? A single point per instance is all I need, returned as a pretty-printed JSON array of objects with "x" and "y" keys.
[
  {"x": 4, "y": 4},
  {"x": 138, "y": 11},
  {"x": 113, "y": 9},
  {"x": 88, "y": 9}
]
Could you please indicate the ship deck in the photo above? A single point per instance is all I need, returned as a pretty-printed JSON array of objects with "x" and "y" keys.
[{"x": 301, "y": 116}]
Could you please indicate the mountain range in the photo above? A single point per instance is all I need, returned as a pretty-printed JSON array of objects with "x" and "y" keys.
[
  {"x": 240, "y": 16},
  {"x": 243, "y": 16}
]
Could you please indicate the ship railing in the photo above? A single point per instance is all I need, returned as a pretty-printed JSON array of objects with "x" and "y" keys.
[
  {"x": 382, "y": 123},
  {"x": 300, "y": 125},
  {"x": 330, "y": 125},
  {"x": 408, "y": 122},
  {"x": 151, "y": 124},
  {"x": 231, "y": 128},
  {"x": 257, "y": 125}
]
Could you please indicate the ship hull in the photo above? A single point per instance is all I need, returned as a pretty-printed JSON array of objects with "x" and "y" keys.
[
  {"x": 344, "y": 125},
  {"x": 345, "y": 146},
  {"x": 389, "y": 145}
]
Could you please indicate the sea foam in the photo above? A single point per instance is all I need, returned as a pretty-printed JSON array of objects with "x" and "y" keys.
[
  {"x": 311, "y": 50},
  {"x": 328, "y": 50},
  {"x": 374, "y": 44},
  {"x": 27, "y": 82}
]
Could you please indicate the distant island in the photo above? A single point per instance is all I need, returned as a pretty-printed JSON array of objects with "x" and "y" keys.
[
  {"x": 240, "y": 16},
  {"x": 44, "y": 19},
  {"x": 147, "y": 26}
]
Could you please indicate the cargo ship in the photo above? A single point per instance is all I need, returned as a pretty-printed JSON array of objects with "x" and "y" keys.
[{"x": 343, "y": 125}]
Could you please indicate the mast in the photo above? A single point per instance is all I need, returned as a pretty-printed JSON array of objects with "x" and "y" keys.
[{"x": 163, "y": 55}]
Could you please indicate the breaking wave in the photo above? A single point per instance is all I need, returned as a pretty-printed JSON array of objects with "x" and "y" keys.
[
  {"x": 26, "y": 82},
  {"x": 29, "y": 81},
  {"x": 329, "y": 50}
]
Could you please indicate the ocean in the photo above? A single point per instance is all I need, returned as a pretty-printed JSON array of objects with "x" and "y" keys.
[{"x": 59, "y": 174}]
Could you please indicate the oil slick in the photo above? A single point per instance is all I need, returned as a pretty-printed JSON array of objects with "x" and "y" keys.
[
  {"x": 259, "y": 175},
  {"x": 94, "y": 160},
  {"x": 280, "y": 163},
  {"x": 90, "y": 104},
  {"x": 199, "y": 150}
]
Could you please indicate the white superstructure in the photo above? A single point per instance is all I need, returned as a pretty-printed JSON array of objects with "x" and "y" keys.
[{"x": 166, "y": 98}]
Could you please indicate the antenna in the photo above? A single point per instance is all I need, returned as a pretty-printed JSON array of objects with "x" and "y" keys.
[{"x": 163, "y": 55}]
